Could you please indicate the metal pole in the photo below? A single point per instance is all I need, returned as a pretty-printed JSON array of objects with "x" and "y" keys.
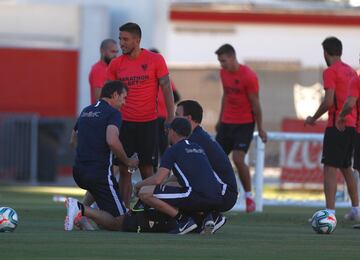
[
  {"x": 34, "y": 149},
  {"x": 259, "y": 172}
]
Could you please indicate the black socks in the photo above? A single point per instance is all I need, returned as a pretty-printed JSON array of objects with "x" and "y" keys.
[{"x": 82, "y": 208}]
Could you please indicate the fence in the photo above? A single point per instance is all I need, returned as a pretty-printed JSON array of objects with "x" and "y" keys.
[{"x": 18, "y": 147}]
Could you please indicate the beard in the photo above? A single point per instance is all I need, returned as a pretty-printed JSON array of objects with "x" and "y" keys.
[
  {"x": 129, "y": 51},
  {"x": 107, "y": 60}
]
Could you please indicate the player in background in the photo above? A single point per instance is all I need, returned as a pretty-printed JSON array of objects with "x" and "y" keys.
[
  {"x": 142, "y": 71},
  {"x": 219, "y": 161},
  {"x": 197, "y": 189},
  {"x": 337, "y": 145},
  {"x": 240, "y": 111},
  {"x": 97, "y": 75},
  {"x": 96, "y": 135},
  {"x": 162, "y": 141},
  {"x": 352, "y": 103}
]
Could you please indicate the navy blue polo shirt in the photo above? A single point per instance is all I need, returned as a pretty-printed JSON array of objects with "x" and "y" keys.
[
  {"x": 92, "y": 148},
  {"x": 217, "y": 157},
  {"x": 191, "y": 167}
]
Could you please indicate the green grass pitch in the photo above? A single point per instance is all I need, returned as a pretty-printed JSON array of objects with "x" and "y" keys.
[{"x": 277, "y": 233}]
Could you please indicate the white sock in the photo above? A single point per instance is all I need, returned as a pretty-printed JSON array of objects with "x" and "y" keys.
[
  {"x": 248, "y": 194},
  {"x": 331, "y": 211},
  {"x": 356, "y": 209}
]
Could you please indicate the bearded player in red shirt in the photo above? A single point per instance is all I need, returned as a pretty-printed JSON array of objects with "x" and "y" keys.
[
  {"x": 337, "y": 145},
  {"x": 143, "y": 72},
  {"x": 97, "y": 75},
  {"x": 240, "y": 111}
]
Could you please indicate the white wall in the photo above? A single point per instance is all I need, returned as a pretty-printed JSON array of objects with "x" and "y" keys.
[{"x": 196, "y": 42}]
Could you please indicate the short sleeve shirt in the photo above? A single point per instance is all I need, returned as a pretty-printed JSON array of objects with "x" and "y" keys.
[
  {"x": 237, "y": 86},
  {"x": 338, "y": 77},
  {"x": 91, "y": 125},
  {"x": 142, "y": 79},
  {"x": 97, "y": 77}
]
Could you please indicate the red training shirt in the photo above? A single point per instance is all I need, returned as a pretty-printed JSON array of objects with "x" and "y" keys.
[
  {"x": 141, "y": 77},
  {"x": 338, "y": 77},
  {"x": 97, "y": 77},
  {"x": 237, "y": 85},
  {"x": 354, "y": 91}
]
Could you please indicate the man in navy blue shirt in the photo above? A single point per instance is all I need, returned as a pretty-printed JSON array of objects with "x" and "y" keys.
[
  {"x": 219, "y": 161},
  {"x": 197, "y": 189},
  {"x": 97, "y": 135}
]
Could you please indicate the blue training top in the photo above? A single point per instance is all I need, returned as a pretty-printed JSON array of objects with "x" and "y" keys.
[
  {"x": 218, "y": 159},
  {"x": 91, "y": 125},
  {"x": 191, "y": 167}
]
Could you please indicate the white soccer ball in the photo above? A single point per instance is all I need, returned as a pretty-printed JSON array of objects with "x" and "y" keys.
[
  {"x": 8, "y": 219},
  {"x": 323, "y": 222}
]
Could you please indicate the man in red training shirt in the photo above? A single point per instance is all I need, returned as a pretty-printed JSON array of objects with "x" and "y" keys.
[
  {"x": 97, "y": 75},
  {"x": 143, "y": 72},
  {"x": 337, "y": 145},
  {"x": 240, "y": 111}
]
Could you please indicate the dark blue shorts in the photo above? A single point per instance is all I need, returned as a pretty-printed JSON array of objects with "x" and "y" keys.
[
  {"x": 229, "y": 200},
  {"x": 185, "y": 199},
  {"x": 103, "y": 187}
]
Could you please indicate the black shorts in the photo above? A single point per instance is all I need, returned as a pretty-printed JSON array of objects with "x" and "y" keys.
[
  {"x": 185, "y": 199},
  {"x": 338, "y": 147},
  {"x": 103, "y": 186},
  {"x": 356, "y": 164},
  {"x": 162, "y": 141},
  {"x": 235, "y": 136},
  {"x": 140, "y": 137}
]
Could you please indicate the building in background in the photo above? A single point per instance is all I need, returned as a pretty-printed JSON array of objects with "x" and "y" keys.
[{"x": 47, "y": 48}]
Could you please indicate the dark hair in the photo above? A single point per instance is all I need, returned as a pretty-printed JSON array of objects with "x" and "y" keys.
[
  {"x": 192, "y": 108},
  {"x": 132, "y": 28},
  {"x": 332, "y": 46},
  {"x": 105, "y": 43},
  {"x": 226, "y": 49},
  {"x": 181, "y": 126},
  {"x": 154, "y": 50},
  {"x": 111, "y": 87}
]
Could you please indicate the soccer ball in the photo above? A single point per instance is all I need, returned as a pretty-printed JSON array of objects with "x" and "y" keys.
[
  {"x": 8, "y": 219},
  {"x": 323, "y": 222}
]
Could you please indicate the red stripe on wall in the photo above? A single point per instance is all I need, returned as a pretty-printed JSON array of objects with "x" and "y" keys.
[
  {"x": 38, "y": 81},
  {"x": 256, "y": 17}
]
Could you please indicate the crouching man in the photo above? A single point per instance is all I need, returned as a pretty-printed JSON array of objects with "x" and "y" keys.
[{"x": 197, "y": 189}]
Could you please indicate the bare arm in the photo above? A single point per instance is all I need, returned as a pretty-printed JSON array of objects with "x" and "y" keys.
[
  {"x": 112, "y": 139},
  {"x": 220, "y": 114},
  {"x": 73, "y": 139},
  {"x": 323, "y": 108},
  {"x": 168, "y": 97},
  {"x": 96, "y": 93},
  {"x": 156, "y": 179},
  {"x": 346, "y": 109},
  {"x": 256, "y": 108}
]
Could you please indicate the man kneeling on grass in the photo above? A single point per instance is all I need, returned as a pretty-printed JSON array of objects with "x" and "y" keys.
[
  {"x": 198, "y": 188},
  {"x": 97, "y": 135}
]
